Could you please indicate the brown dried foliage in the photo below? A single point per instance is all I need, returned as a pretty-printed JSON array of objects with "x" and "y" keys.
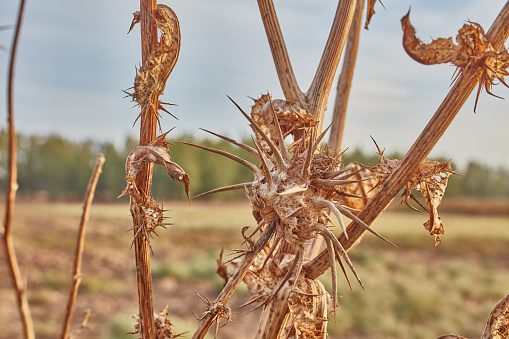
[
  {"x": 473, "y": 49},
  {"x": 370, "y": 11},
  {"x": 150, "y": 80},
  {"x": 146, "y": 207},
  {"x": 430, "y": 179}
]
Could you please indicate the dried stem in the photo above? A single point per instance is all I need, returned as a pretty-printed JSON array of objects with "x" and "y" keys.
[
  {"x": 82, "y": 326},
  {"x": 12, "y": 187},
  {"x": 342, "y": 96},
  {"x": 282, "y": 62},
  {"x": 80, "y": 246},
  {"x": 274, "y": 316},
  {"x": 148, "y": 131},
  {"x": 318, "y": 92},
  {"x": 345, "y": 80},
  {"x": 208, "y": 319},
  {"x": 315, "y": 100},
  {"x": 460, "y": 91}
]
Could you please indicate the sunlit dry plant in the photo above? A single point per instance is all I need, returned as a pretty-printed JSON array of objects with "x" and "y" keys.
[
  {"x": 162, "y": 326},
  {"x": 473, "y": 49},
  {"x": 219, "y": 311},
  {"x": 155, "y": 152},
  {"x": 370, "y": 11},
  {"x": 151, "y": 78},
  {"x": 296, "y": 187},
  {"x": 430, "y": 179}
]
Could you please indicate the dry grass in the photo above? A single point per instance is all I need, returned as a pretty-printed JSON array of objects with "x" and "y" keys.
[{"x": 418, "y": 291}]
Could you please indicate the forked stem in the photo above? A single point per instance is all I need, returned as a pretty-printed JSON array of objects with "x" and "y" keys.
[{"x": 436, "y": 127}]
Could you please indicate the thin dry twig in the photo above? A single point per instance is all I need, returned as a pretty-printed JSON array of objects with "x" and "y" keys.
[
  {"x": 80, "y": 245},
  {"x": 83, "y": 325},
  {"x": 12, "y": 187},
  {"x": 436, "y": 127}
]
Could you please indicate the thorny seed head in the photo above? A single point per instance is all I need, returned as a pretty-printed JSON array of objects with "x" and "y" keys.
[
  {"x": 296, "y": 186},
  {"x": 162, "y": 326}
]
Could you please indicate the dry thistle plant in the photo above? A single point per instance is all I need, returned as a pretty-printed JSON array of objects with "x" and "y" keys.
[
  {"x": 295, "y": 187},
  {"x": 159, "y": 56}
]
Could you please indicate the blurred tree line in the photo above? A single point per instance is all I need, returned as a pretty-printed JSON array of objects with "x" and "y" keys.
[{"x": 60, "y": 169}]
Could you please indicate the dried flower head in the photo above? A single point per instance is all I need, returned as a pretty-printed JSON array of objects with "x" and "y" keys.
[
  {"x": 296, "y": 188},
  {"x": 162, "y": 326}
]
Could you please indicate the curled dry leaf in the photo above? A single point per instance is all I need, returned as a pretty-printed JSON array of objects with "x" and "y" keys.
[
  {"x": 151, "y": 78},
  {"x": 155, "y": 152},
  {"x": 370, "y": 11},
  {"x": 497, "y": 326},
  {"x": 473, "y": 49},
  {"x": 430, "y": 179},
  {"x": 162, "y": 326}
]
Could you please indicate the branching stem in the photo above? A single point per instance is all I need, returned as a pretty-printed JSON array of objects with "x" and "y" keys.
[{"x": 436, "y": 127}]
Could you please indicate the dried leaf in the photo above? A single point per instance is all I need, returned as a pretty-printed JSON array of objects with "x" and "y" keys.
[
  {"x": 155, "y": 152},
  {"x": 436, "y": 52},
  {"x": 430, "y": 179},
  {"x": 473, "y": 49},
  {"x": 151, "y": 78},
  {"x": 370, "y": 11}
]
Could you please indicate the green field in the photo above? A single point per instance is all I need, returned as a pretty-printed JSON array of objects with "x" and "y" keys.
[{"x": 415, "y": 291}]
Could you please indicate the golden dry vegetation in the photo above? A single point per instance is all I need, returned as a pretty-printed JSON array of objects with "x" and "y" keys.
[{"x": 416, "y": 291}]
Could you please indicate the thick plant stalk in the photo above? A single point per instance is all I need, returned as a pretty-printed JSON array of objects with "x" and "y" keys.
[
  {"x": 80, "y": 246},
  {"x": 315, "y": 100},
  {"x": 282, "y": 62},
  {"x": 320, "y": 87},
  {"x": 345, "y": 80},
  {"x": 436, "y": 127},
  {"x": 11, "y": 188},
  {"x": 148, "y": 129},
  {"x": 342, "y": 96}
]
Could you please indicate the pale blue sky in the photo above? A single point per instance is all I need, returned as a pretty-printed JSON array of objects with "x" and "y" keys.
[{"x": 75, "y": 59}]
